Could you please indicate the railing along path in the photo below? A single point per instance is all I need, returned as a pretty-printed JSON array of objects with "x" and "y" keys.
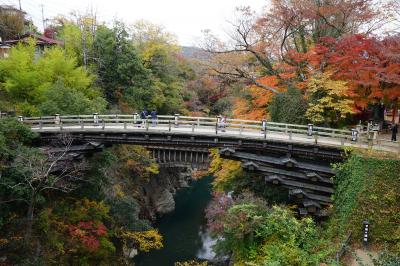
[{"x": 208, "y": 125}]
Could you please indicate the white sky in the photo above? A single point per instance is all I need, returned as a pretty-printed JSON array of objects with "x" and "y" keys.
[{"x": 184, "y": 18}]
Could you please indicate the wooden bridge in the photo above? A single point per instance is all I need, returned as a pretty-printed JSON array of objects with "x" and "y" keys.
[{"x": 297, "y": 157}]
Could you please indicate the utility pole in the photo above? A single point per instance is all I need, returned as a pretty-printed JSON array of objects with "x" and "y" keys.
[
  {"x": 20, "y": 8},
  {"x": 43, "y": 20}
]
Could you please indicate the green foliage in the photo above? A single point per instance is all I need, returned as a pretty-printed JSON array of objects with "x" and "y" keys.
[
  {"x": 160, "y": 53},
  {"x": 229, "y": 176},
  {"x": 222, "y": 106},
  {"x": 257, "y": 234},
  {"x": 125, "y": 214},
  {"x": 288, "y": 107},
  {"x": 386, "y": 258},
  {"x": 367, "y": 189},
  {"x": 60, "y": 99},
  {"x": 13, "y": 137},
  {"x": 120, "y": 70},
  {"x": 26, "y": 80}
]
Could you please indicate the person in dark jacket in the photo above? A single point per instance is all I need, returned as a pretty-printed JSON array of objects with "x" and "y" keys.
[
  {"x": 143, "y": 116},
  {"x": 394, "y": 132},
  {"x": 154, "y": 117}
]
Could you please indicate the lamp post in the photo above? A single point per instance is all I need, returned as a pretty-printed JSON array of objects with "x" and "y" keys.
[{"x": 365, "y": 232}]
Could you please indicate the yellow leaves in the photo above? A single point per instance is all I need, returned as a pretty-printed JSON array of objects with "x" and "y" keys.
[
  {"x": 118, "y": 191},
  {"x": 3, "y": 242},
  {"x": 329, "y": 101},
  {"x": 145, "y": 240},
  {"x": 223, "y": 169}
]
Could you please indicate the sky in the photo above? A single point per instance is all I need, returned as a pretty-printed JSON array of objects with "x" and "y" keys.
[{"x": 184, "y": 18}]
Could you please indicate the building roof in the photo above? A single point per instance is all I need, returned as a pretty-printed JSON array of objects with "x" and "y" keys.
[{"x": 40, "y": 40}]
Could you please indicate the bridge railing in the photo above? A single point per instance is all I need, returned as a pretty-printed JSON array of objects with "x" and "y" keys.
[{"x": 208, "y": 125}]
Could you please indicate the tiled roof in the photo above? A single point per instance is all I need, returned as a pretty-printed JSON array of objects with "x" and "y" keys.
[{"x": 40, "y": 39}]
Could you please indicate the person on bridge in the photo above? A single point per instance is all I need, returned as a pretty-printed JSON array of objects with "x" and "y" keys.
[
  {"x": 223, "y": 123},
  {"x": 394, "y": 132},
  {"x": 143, "y": 117},
  {"x": 154, "y": 117}
]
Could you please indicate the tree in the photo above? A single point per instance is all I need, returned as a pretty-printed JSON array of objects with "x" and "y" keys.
[
  {"x": 328, "y": 100},
  {"x": 120, "y": 70},
  {"x": 288, "y": 107},
  {"x": 25, "y": 80},
  {"x": 285, "y": 26},
  {"x": 12, "y": 22},
  {"x": 159, "y": 51},
  {"x": 368, "y": 66},
  {"x": 60, "y": 99},
  {"x": 32, "y": 174},
  {"x": 254, "y": 233}
]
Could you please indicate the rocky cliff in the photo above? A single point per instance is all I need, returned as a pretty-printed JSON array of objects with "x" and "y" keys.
[{"x": 157, "y": 195}]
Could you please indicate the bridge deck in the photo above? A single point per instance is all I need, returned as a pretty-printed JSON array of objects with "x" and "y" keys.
[{"x": 211, "y": 131}]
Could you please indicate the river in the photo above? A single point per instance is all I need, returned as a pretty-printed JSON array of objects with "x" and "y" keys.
[{"x": 184, "y": 230}]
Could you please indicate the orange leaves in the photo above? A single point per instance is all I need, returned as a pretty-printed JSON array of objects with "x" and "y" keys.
[{"x": 255, "y": 107}]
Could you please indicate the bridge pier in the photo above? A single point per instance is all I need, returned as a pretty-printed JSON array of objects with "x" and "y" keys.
[{"x": 309, "y": 182}]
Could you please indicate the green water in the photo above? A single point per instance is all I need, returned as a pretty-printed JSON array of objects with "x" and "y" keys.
[{"x": 184, "y": 230}]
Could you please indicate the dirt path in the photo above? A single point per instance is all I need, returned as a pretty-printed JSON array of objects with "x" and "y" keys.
[{"x": 363, "y": 257}]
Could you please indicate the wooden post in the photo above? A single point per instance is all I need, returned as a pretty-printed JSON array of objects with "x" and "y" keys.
[
  {"x": 57, "y": 119},
  {"x": 103, "y": 125},
  {"x": 216, "y": 128},
  {"x": 169, "y": 125},
  {"x": 310, "y": 128},
  {"x": 316, "y": 137},
  {"x": 61, "y": 126},
  {"x": 198, "y": 122},
  {"x": 290, "y": 135},
  {"x": 193, "y": 127},
  {"x": 95, "y": 119},
  {"x": 124, "y": 124},
  {"x": 147, "y": 124},
  {"x": 40, "y": 124},
  {"x": 176, "y": 120}
]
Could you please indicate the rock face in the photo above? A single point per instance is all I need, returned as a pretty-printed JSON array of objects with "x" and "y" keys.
[
  {"x": 157, "y": 195},
  {"x": 164, "y": 202}
]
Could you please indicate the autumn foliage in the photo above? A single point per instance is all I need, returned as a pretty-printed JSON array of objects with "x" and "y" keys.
[{"x": 87, "y": 234}]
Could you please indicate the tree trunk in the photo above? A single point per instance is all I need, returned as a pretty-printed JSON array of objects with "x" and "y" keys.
[
  {"x": 29, "y": 219},
  {"x": 394, "y": 111}
]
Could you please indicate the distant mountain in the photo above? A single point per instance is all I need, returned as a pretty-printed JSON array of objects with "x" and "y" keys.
[{"x": 191, "y": 52}]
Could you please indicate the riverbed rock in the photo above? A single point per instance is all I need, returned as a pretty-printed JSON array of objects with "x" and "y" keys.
[
  {"x": 157, "y": 194},
  {"x": 164, "y": 202}
]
